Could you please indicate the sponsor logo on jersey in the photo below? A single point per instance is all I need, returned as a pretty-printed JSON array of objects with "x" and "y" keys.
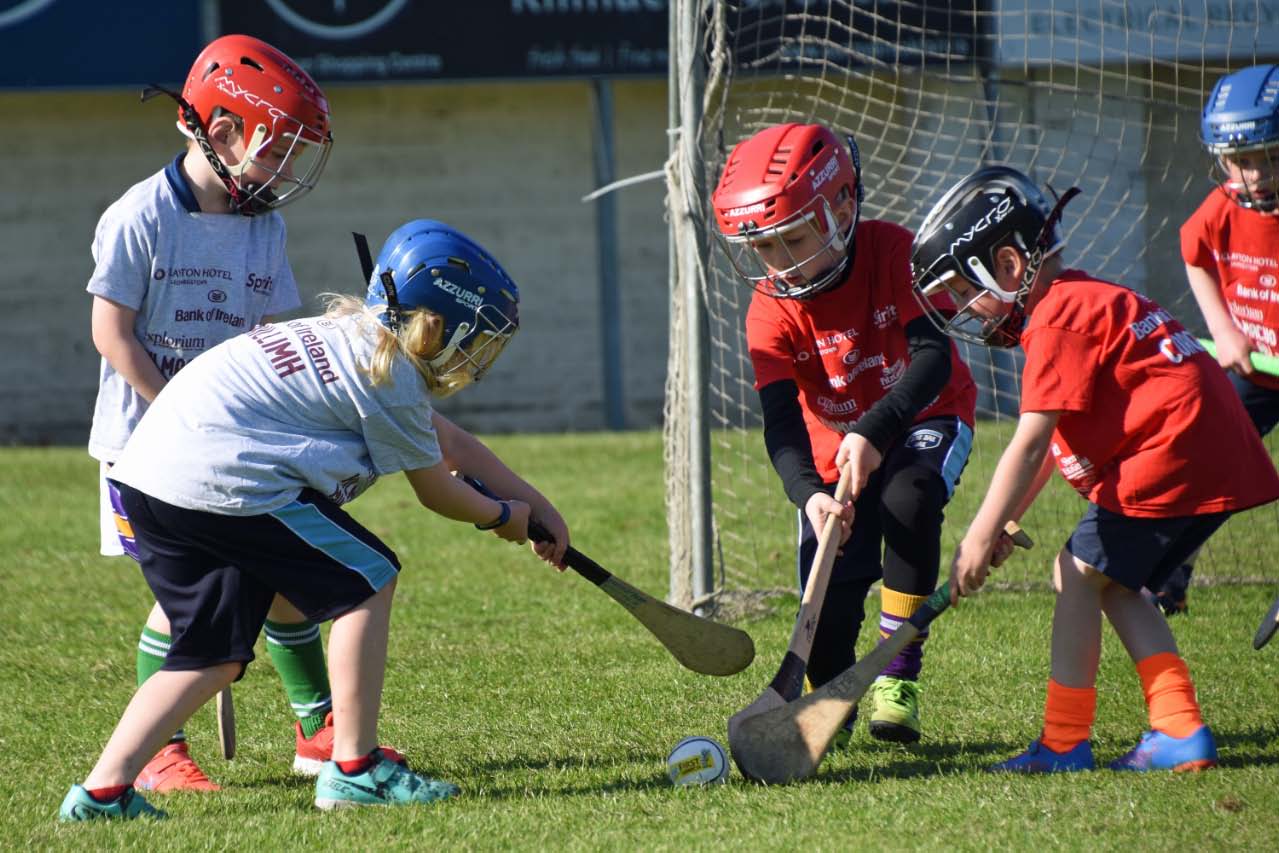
[
  {"x": 179, "y": 276},
  {"x": 924, "y": 439},
  {"x": 1267, "y": 280},
  {"x": 758, "y": 207},
  {"x": 217, "y": 296},
  {"x": 884, "y": 316},
  {"x": 851, "y": 356},
  {"x": 1177, "y": 347},
  {"x": 826, "y": 345},
  {"x": 995, "y": 215},
  {"x": 162, "y": 341},
  {"x": 803, "y": 355},
  {"x": 461, "y": 294},
  {"x": 837, "y": 407},
  {"x": 1245, "y": 312},
  {"x": 259, "y": 283},
  {"x": 841, "y": 427},
  {"x": 1151, "y": 321},
  {"x": 208, "y": 315},
  {"x": 828, "y": 171},
  {"x": 1258, "y": 333}
]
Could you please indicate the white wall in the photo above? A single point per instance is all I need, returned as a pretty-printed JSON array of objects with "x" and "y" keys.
[{"x": 506, "y": 163}]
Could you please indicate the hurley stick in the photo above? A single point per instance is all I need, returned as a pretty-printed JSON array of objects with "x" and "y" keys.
[
  {"x": 701, "y": 645},
  {"x": 226, "y": 723},
  {"x": 789, "y": 680},
  {"x": 788, "y": 743},
  {"x": 1268, "y": 626}
]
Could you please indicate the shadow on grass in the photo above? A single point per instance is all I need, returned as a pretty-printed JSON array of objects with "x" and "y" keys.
[{"x": 1248, "y": 748}]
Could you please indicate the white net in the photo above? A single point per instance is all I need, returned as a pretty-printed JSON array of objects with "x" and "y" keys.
[{"x": 1105, "y": 96}]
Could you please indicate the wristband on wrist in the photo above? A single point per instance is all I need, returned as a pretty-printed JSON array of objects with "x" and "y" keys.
[{"x": 503, "y": 517}]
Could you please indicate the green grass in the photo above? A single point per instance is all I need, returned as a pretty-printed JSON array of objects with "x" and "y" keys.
[{"x": 554, "y": 710}]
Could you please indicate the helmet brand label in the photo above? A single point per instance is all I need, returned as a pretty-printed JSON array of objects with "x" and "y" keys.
[
  {"x": 226, "y": 84},
  {"x": 758, "y": 207},
  {"x": 461, "y": 294},
  {"x": 996, "y": 214},
  {"x": 828, "y": 171}
]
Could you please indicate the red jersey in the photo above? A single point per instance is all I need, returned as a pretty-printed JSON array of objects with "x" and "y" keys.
[
  {"x": 846, "y": 348},
  {"x": 1150, "y": 425},
  {"x": 1240, "y": 248}
]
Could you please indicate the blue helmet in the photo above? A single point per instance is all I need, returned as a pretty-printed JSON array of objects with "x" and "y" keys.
[
  {"x": 1241, "y": 117},
  {"x": 427, "y": 264}
]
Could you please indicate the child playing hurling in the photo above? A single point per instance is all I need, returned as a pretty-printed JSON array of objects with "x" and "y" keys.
[
  {"x": 1231, "y": 249},
  {"x": 849, "y": 372},
  {"x": 188, "y": 258},
  {"x": 230, "y": 490},
  {"x": 1140, "y": 421}
]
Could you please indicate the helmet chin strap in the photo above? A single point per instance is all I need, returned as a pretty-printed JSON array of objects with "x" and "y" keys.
[
  {"x": 241, "y": 201},
  {"x": 1010, "y": 330}
]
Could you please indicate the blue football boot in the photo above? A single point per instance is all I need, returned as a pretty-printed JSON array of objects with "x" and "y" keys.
[
  {"x": 1158, "y": 751},
  {"x": 1041, "y": 759}
]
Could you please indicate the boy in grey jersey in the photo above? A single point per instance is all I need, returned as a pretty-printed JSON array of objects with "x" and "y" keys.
[
  {"x": 231, "y": 490},
  {"x": 186, "y": 259}
]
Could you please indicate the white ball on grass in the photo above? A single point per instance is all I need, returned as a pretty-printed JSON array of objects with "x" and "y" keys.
[{"x": 697, "y": 761}]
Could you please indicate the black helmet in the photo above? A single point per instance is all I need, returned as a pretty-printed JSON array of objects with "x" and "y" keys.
[{"x": 993, "y": 207}]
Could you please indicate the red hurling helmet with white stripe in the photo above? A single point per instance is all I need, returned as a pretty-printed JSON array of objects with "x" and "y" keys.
[
  {"x": 282, "y": 108},
  {"x": 780, "y": 187}
]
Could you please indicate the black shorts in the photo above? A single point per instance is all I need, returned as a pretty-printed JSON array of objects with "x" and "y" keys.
[
  {"x": 1137, "y": 552},
  {"x": 215, "y": 575}
]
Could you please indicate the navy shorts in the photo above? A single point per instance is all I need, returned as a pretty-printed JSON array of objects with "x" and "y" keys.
[
  {"x": 1137, "y": 552},
  {"x": 215, "y": 575},
  {"x": 1262, "y": 404}
]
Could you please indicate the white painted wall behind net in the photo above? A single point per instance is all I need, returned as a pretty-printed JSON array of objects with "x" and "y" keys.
[{"x": 506, "y": 163}]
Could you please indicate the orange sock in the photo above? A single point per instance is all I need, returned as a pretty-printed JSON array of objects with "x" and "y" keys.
[
  {"x": 1170, "y": 694},
  {"x": 1068, "y": 716}
]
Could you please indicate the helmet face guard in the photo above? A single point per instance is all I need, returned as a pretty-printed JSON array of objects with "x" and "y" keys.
[
  {"x": 953, "y": 260},
  {"x": 292, "y": 158},
  {"x": 1240, "y": 130},
  {"x": 429, "y": 265},
  {"x": 787, "y": 183},
  {"x": 816, "y": 219}
]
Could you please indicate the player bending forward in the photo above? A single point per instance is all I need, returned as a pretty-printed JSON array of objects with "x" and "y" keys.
[
  {"x": 849, "y": 372},
  {"x": 1138, "y": 418},
  {"x": 232, "y": 485}
]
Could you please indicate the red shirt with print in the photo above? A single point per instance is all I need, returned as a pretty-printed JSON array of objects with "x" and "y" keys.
[
  {"x": 1240, "y": 248},
  {"x": 1150, "y": 425},
  {"x": 846, "y": 348}
]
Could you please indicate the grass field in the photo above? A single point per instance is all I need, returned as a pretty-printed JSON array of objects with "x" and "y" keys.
[{"x": 554, "y": 711}]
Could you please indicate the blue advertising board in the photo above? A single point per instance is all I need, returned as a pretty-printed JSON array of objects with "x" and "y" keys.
[{"x": 96, "y": 43}]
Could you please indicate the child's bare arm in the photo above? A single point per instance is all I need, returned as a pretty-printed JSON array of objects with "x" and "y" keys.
[
  {"x": 1017, "y": 473},
  {"x": 466, "y": 453},
  {"x": 1233, "y": 346},
  {"x": 439, "y": 491},
  {"x": 112, "y": 327}
]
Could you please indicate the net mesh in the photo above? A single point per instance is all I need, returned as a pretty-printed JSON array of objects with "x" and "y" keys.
[{"x": 1100, "y": 95}]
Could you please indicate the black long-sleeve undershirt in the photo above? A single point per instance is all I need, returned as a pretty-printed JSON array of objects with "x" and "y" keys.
[{"x": 786, "y": 437}]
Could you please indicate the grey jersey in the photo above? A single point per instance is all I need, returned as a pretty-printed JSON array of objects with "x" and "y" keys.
[
  {"x": 245, "y": 427},
  {"x": 195, "y": 279}
]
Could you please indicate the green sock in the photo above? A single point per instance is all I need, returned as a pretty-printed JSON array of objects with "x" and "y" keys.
[
  {"x": 298, "y": 654},
  {"x": 152, "y": 647}
]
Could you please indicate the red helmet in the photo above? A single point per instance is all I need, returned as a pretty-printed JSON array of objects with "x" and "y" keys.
[
  {"x": 783, "y": 178},
  {"x": 280, "y": 105}
]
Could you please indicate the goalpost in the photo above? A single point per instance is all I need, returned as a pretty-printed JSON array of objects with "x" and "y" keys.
[{"x": 1101, "y": 95}]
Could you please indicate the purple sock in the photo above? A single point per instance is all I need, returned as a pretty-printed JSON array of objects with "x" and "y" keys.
[{"x": 910, "y": 660}]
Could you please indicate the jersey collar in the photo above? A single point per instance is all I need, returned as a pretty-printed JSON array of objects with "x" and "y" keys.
[{"x": 178, "y": 183}]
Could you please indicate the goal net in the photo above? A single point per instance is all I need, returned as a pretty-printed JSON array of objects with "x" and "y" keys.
[{"x": 1105, "y": 96}]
